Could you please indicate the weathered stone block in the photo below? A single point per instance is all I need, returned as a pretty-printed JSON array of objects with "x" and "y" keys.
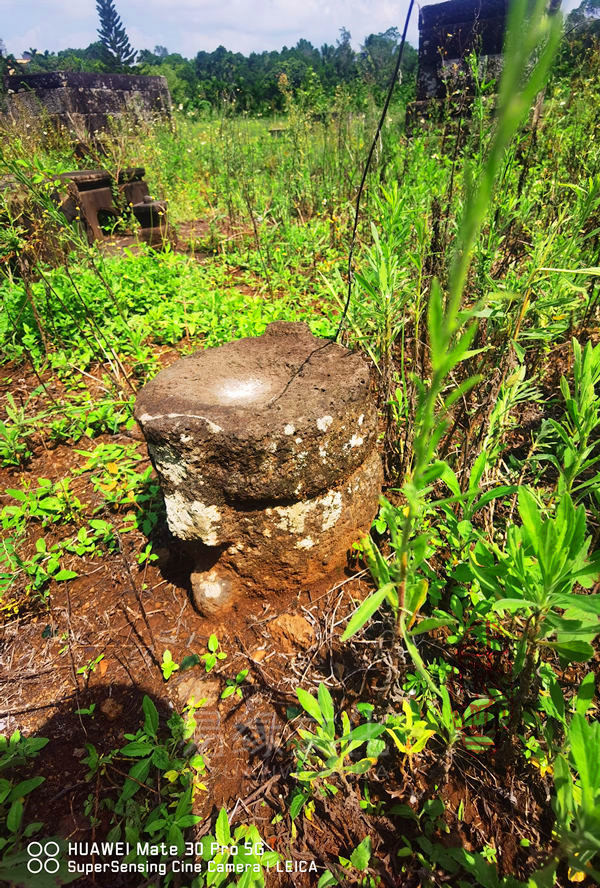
[
  {"x": 265, "y": 447},
  {"x": 450, "y": 30},
  {"x": 81, "y": 101}
]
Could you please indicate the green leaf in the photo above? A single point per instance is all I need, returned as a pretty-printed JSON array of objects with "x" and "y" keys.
[
  {"x": 326, "y": 705},
  {"x": 175, "y": 837},
  {"x": 368, "y": 731},
  {"x": 435, "y": 325},
  {"x": 585, "y": 755},
  {"x": 360, "y": 767},
  {"x": 14, "y": 816},
  {"x": 365, "y": 611},
  {"x": 512, "y": 604},
  {"x": 297, "y": 803},
  {"x": 545, "y": 877},
  {"x": 139, "y": 772},
  {"x": 308, "y": 702},
  {"x": 477, "y": 742},
  {"x": 188, "y": 820},
  {"x": 571, "y": 651},
  {"x": 25, "y": 787},
  {"x": 137, "y": 748},
  {"x": 529, "y": 512},
  {"x": 589, "y": 604},
  {"x": 63, "y": 575},
  {"x": 189, "y": 662},
  {"x": 558, "y": 699},
  {"x": 361, "y": 855},
  {"x": 430, "y": 623},
  {"x": 476, "y": 707},
  {"x": 151, "y": 716},
  {"x": 222, "y": 831},
  {"x": 585, "y": 694}
]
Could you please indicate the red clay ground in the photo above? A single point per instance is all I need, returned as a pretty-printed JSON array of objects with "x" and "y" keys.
[{"x": 130, "y": 615}]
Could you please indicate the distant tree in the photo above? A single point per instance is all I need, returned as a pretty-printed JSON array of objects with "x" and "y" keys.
[
  {"x": 377, "y": 60},
  {"x": 586, "y": 13},
  {"x": 7, "y": 61},
  {"x": 345, "y": 57},
  {"x": 161, "y": 51},
  {"x": 582, "y": 35},
  {"x": 118, "y": 53}
]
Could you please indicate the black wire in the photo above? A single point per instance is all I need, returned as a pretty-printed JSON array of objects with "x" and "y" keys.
[{"x": 368, "y": 164}]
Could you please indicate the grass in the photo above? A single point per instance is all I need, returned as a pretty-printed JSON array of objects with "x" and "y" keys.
[{"x": 477, "y": 273}]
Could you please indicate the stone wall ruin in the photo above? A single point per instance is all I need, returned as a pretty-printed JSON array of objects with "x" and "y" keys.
[
  {"x": 448, "y": 32},
  {"x": 85, "y": 103}
]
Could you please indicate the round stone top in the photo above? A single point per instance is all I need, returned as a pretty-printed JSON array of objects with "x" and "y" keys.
[{"x": 264, "y": 414}]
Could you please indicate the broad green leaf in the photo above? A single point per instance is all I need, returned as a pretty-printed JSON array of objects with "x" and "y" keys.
[
  {"x": 430, "y": 623},
  {"x": 558, "y": 699},
  {"x": 585, "y": 694},
  {"x": 14, "y": 816},
  {"x": 64, "y": 575},
  {"x": 368, "y": 731},
  {"x": 151, "y": 716},
  {"x": 308, "y": 703},
  {"x": 327, "y": 880},
  {"x": 326, "y": 704},
  {"x": 476, "y": 707},
  {"x": 24, "y": 788},
  {"x": 365, "y": 611},
  {"x": 529, "y": 512},
  {"x": 477, "y": 742},
  {"x": 222, "y": 831},
  {"x": 189, "y": 662},
  {"x": 139, "y": 773},
  {"x": 297, "y": 803},
  {"x": 361, "y": 855},
  {"x": 571, "y": 651},
  {"x": 137, "y": 747},
  {"x": 513, "y": 604}
]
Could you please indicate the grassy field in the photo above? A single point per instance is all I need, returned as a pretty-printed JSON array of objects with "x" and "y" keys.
[{"x": 432, "y": 718}]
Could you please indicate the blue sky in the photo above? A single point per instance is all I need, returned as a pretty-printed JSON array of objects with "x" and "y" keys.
[{"x": 187, "y": 26}]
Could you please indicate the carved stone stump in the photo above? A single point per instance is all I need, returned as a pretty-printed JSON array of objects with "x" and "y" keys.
[{"x": 265, "y": 450}]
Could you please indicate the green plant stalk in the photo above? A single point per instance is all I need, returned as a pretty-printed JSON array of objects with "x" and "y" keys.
[
  {"x": 450, "y": 329},
  {"x": 530, "y": 663}
]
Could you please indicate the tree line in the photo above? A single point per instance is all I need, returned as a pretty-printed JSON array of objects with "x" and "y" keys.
[
  {"x": 261, "y": 81},
  {"x": 258, "y": 82}
]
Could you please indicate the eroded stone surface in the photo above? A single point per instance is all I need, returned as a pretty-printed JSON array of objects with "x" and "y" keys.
[
  {"x": 281, "y": 547},
  {"x": 265, "y": 447},
  {"x": 277, "y": 417}
]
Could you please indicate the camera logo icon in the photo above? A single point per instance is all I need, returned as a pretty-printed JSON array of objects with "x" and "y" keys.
[{"x": 43, "y": 857}]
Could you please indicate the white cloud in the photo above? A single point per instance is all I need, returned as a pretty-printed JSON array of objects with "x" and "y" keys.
[{"x": 187, "y": 26}]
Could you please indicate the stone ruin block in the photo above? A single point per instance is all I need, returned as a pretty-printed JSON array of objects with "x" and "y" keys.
[
  {"x": 91, "y": 198},
  {"x": 266, "y": 453},
  {"x": 84, "y": 103},
  {"x": 448, "y": 32}
]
